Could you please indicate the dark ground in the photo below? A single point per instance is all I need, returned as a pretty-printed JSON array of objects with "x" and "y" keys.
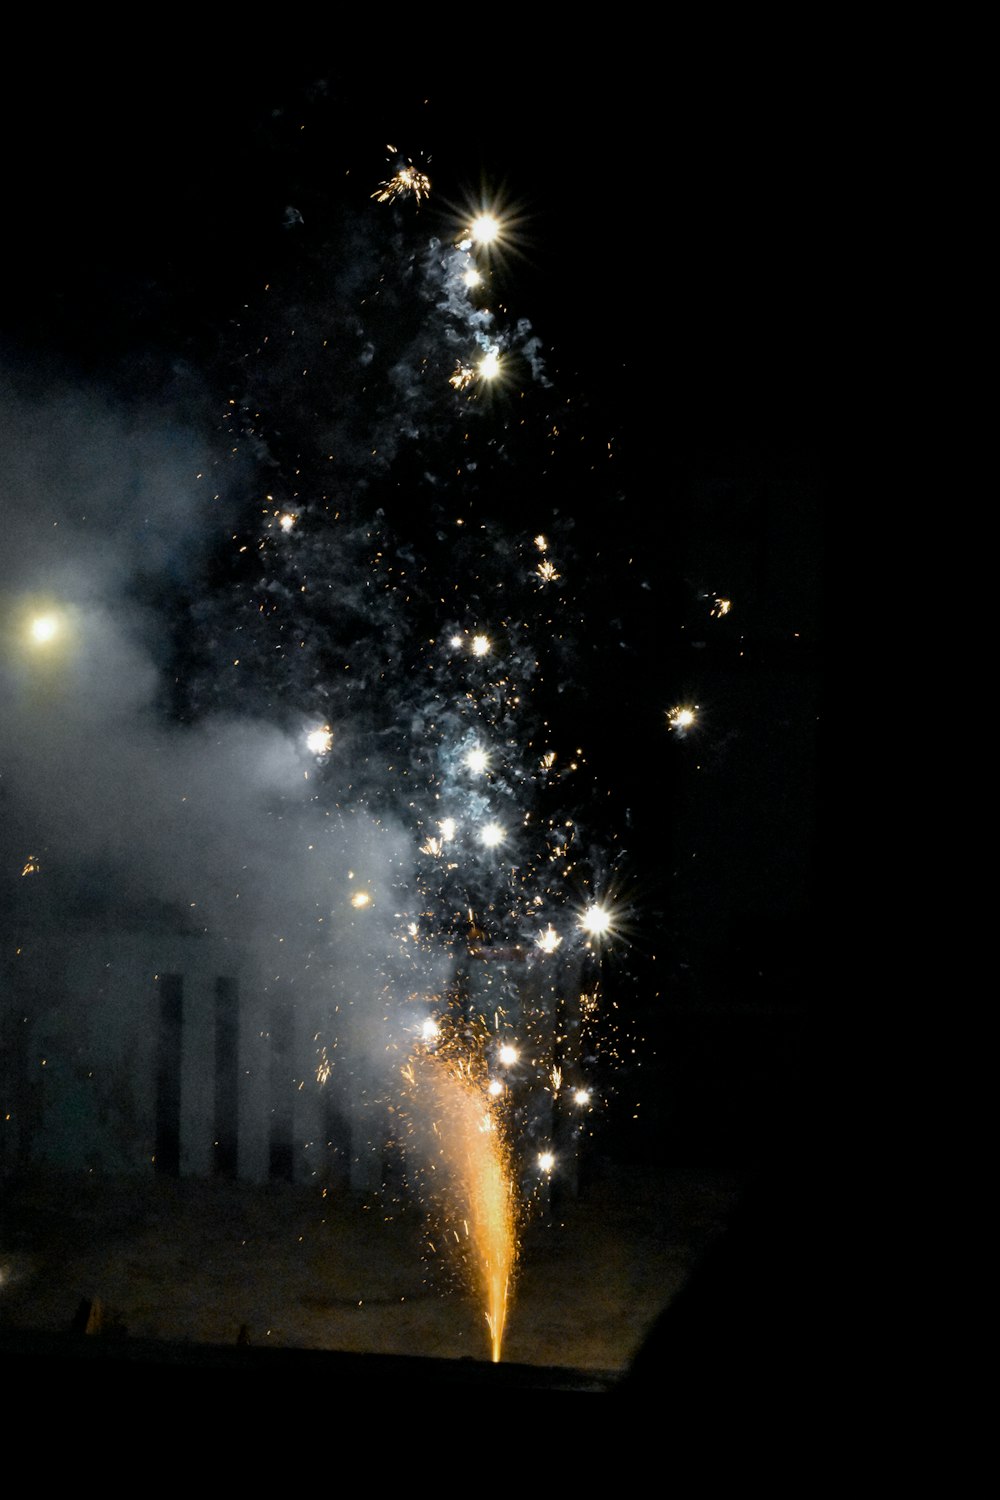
[{"x": 192, "y": 1261}]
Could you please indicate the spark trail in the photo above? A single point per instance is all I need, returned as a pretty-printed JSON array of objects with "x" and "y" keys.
[{"x": 458, "y": 1134}]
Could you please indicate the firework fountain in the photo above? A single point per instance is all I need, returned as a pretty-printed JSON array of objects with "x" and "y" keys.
[{"x": 421, "y": 671}]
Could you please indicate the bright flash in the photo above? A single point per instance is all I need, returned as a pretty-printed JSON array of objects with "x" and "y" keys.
[
  {"x": 430, "y": 1030},
  {"x": 361, "y": 899},
  {"x": 480, "y": 645},
  {"x": 44, "y": 628},
  {"x": 546, "y": 571},
  {"x": 318, "y": 741},
  {"x": 508, "y": 1055},
  {"x": 478, "y": 760},
  {"x": 596, "y": 920},
  {"x": 447, "y": 827},
  {"x": 681, "y": 718},
  {"x": 489, "y": 365},
  {"x": 546, "y": 1161},
  {"x": 548, "y": 940},
  {"x": 472, "y": 278},
  {"x": 287, "y": 521},
  {"x": 495, "y": 1088},
  {"x": 581, "y": 1097},
  {"x": 541, "y": 542},
  {"x": 492, "y": 835},
  {"x": 484, "y": 229}
]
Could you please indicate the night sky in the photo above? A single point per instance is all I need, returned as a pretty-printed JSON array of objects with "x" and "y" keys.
[{"x": 673, "y": 242}]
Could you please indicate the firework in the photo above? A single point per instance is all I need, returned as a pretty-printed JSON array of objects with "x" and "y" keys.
[
  {"x": 454, "y": 1132},
  {"x": 480, "y": 645},
  {"x": 549, "y": 940},
  {"x": 405, "y": 182},
  {"x": 485, "y": 229},
  {"x": 682, "y": 718},
  {"x": 319, "y": 741}
]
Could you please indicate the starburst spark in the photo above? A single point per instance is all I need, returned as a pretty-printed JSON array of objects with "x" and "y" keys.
[
  {"x": 485, "y": 229},
  {"x": 407, "y": 180},
  {"x": 477, "y": 760},
  {"x": 546, "y": 572},
  {"x": 682, "y": 718},
  {"x": 548, "y": 940},
  {"x": 721, "y": 607},
  {"x": 319, "y": 741},
  {"x": 493, "y": 835},
  {"x": 489, "y": 365},
  {"x": 596, "y": 920},
  {"x": 480, "y": 645},
  {"x": 287, "y": 521},
  {"x": 361, "y": 899},
  {"x": 546, "y": 1161},
  {"x": 464, "y": 375}
]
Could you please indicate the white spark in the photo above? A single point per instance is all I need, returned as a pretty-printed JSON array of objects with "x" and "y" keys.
[
  {"x": 478, "y": 760},
  {"x": 484, "y": 229},
  {"x": 596, "y": 920},
  {"x": 489, "y": 365},
  {"x": 548, "y": 940}
]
